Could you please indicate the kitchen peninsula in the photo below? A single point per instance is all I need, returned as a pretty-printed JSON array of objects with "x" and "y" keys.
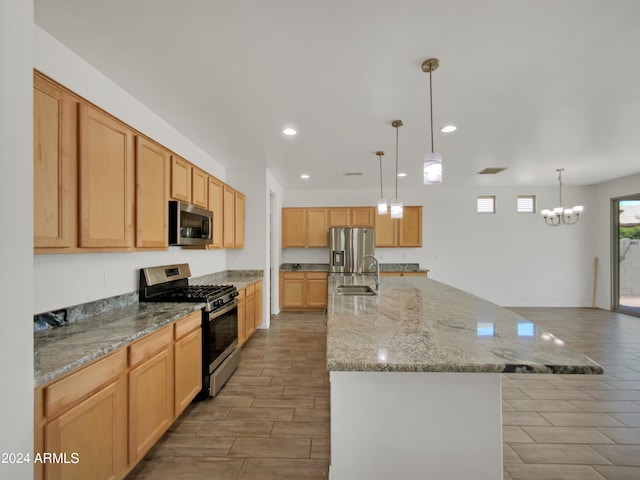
[{"x": 415, "y": 378}]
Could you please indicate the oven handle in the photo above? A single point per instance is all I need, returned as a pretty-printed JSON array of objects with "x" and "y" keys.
[{"x": 215, "y": 314}]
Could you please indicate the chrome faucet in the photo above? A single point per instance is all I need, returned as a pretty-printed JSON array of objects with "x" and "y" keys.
[{"x": 377, "y": 269}]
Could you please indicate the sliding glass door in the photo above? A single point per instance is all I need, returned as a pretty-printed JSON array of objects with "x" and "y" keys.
[{"x": 626, "y": 254}]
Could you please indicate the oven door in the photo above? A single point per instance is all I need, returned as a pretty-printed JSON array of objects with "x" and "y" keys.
[{"x": 220, "y": 352}]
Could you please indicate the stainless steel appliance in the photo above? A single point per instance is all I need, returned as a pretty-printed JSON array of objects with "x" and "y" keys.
[
  {"x": 220, "y": 352},
  {"x": 348, "y": 249},
  {"x": 189, "y": 225}
]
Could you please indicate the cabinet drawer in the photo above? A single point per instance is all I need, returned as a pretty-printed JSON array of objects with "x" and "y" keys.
[
  {"x": 70, "y": 390},
  {"x": 187, "y": 324},
  {"x": 149, "y": 345},
  {"x": 317, "y": 275},
  {"x": 293, "y": 275}
]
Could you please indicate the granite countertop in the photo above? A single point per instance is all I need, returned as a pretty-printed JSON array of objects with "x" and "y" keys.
[
  {"x": 324, "y": 267},
  {"x": 421, "y": 325},
  {"x": 62, "y": 349}
]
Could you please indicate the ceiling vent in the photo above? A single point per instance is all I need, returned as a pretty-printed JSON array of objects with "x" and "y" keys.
[
  {"x": 491, "y": 170},
  {"x": 353, "y": 174}
]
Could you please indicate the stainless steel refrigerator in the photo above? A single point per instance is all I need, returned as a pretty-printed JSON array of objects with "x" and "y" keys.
[{"x": 348, "y": 248}]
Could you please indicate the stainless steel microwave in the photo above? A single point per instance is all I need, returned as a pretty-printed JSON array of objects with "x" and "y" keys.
[{"x": 189, "y": 225}]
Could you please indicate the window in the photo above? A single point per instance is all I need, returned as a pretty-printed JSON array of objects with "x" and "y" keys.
[
  {"x": 487, "y": 204},
  {"x": 526, "y": 204}
]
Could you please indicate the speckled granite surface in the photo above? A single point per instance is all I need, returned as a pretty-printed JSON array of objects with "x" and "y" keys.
[
  {"x": 324, "y": 267},
  {"x": 421, "y": 325},
  {"x": 97, "y": 328}
]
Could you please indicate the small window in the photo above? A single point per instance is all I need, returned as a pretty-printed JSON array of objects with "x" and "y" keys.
[
  {"x": 526, "y": 204},
  {"x": 487, "y": 204}
]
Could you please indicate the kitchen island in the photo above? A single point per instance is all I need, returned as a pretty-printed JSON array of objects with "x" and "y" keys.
[{"x": 415, "y": 378}]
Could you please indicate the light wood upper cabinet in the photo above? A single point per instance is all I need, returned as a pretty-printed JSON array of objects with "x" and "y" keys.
[
  {"x": 180, "y": 179},
  {"x": 404, "y": 232},
  {"x": 199, "y": 187},
  {"x": 317, "y": 230},
  {"x": 362, "y": 216},
  {"x": 294, "y": 228},
  {"x": 55, "y": 130},
  {"x": 152, "y": 182},
  {"x": 304, "y": 227},
  {"x": 229, "y": 218},
  {"x": 216, "y": 206},
  {"x": 239, "y": 212},
  {"x": 410, "y": 227},
  {"x": 339, "y": 217},
  {"x": 106, "y": 167}
]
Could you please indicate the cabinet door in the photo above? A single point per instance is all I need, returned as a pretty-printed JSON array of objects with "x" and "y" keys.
[
  {"x": 316, "y": 287},
  {"x": 228, "y": 229},
  {"x": 152, "y": 178},
  {"x": 258, "y": 306},
  {"x": 317, "y": 230},
  {"x": 292, "y": 290},
  {"x": 410, "y": 229},
  {"x": 55, "y": 130},
  {"x": 362, "y": 216},
  {"x": 151, "y": 391},
  {"x": 339, "y": 217},
  {"x": 94, "y": 430},
  {"x": 251, "y": 310},
  {"x": 293, "y": 228},
  {"x": 239, "y": 219},
  {"x": 199, "y": 187},
  {"x": 242, "y": 317},
  {"x": 385, "y": 231},
  {"x": 106, "y": 180},
  {"x": 188, "y": 369},
  {"x": 180, "y": 179},
  {"x": 215, "y": 205}
]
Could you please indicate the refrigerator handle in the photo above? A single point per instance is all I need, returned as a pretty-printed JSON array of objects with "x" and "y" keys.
[{"x": 338, "y": 258}]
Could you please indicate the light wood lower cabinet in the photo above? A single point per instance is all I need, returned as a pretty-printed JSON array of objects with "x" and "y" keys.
[
  {"x": 187, "y": 360},
  {"x": 303, "y": 290},
  {"x": 150, "y": 391},
  {"x": 108, "y": 414},
  {"x": 249, "y": 310},
  {"x": 86, "y": 418},
  {"x": 404, "y": 274}
]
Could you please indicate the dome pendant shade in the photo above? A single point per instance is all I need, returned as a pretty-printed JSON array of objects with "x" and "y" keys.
[{"x": 432, "y": 168}]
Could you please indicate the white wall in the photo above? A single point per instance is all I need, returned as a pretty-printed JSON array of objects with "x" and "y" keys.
[
  {"x": 604, "y": 192},
  {"x": 508, "y": 258},
  {"x": 16, "y": 195},
  {"x": 64, "y": 280}
]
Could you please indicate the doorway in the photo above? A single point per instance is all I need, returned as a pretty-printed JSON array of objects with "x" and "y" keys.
[{"x": 625, "y": 214}]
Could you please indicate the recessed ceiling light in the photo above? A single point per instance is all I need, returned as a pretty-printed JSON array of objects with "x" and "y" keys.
[
  {"x": 402, "y": 174},
  {"x": 304, "y": 176},
  {"x": 448, "y": 129},
  {"x": 289, "y": 131}
]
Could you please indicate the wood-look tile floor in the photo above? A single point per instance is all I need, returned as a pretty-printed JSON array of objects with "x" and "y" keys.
[{"x": 271, "y": 420}]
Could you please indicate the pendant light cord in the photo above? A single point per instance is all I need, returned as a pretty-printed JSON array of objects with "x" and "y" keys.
[
  {"x": 560, "y": 182},
  {"x": 397, "y": 127},
  {"x": 431, "y": 107},
  {"x": 380, "y": 157}
]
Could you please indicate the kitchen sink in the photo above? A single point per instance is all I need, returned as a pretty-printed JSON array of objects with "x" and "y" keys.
[{"x": 355, "y": 290}]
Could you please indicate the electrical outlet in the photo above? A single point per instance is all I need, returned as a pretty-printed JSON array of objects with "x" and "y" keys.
[{"x": 107, "y": 276}]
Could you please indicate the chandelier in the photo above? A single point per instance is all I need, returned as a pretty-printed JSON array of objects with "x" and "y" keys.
[
  {"x": 432, "y": 165},
  {"x": 560, "y": 215}
]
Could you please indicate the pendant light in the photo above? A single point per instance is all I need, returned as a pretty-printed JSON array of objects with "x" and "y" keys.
[
  {"x": 560, "y": 215},
  {"x": 396, "y": 205},
  {"x": 432, "y": 166},
  {"x": 382, "y": 202}
]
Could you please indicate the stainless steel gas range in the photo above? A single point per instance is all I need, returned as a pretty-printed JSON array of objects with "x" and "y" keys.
[{"x": 220, "y": 352}]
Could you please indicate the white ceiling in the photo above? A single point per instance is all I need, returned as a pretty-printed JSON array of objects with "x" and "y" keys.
[{"x": 532, "y": 85}]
